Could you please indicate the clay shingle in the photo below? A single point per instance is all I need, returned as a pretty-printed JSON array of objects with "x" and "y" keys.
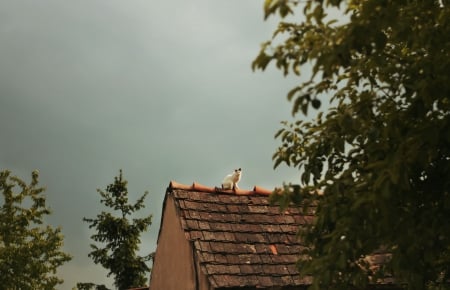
[{"x": 240, "y": 239}]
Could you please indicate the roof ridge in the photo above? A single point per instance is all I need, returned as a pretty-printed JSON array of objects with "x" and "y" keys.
[{"x": 257, "y": 190}]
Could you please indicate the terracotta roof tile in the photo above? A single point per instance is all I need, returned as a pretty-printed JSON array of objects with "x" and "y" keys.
[{"x": 239, "y": 238}]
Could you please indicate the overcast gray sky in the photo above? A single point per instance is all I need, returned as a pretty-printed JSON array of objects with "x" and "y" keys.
[{"x": 161, "y": 89}]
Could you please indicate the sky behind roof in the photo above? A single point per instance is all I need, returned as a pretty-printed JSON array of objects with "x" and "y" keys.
[{"x": 161, "y": 89}]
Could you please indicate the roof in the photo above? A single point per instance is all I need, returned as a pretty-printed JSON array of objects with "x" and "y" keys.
[{"x": 238, "y": 237}]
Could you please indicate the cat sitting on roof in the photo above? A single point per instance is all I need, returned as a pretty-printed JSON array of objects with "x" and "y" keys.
[{"x": 231, "y": 180}]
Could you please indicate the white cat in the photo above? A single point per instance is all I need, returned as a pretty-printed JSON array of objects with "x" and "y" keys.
[{"x": 231, "y": 180}]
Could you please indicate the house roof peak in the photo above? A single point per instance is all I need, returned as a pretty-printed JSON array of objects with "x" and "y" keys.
[{"x": 238, "y": 237}]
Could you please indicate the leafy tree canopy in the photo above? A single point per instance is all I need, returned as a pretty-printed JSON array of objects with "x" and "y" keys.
[
  {"x": 30, "y": 251},
  {"x": 89, "y": 286},
  {"x": 121, "y": 237},
  {"x": 380, "y": 151}
]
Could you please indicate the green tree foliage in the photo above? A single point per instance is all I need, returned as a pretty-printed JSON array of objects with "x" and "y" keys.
[
  {"x": 380, "y": 151},
  {"x": 121, "y": 236},
  {"x": 89, "y": 286},
  {"x": 30, "y": 252}
]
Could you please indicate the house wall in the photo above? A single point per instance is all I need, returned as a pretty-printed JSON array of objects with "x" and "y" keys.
[
  {"x": 203, "y": 283},
  {"x": 173, "y": 267}
]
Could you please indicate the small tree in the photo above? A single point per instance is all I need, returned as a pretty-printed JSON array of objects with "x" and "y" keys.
[
  {"x": 30, "y": 253},
  {"x": 121, "y": 236}
]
